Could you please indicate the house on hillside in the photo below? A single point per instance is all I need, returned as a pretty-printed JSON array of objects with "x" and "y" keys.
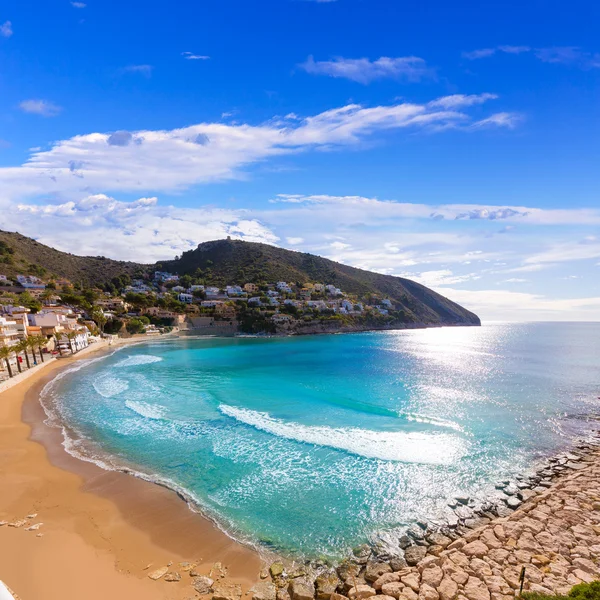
[
  {"x": 186, "y": 298},
  {"x": 9, "y": 335},
  {"x": 30, "y": 282},
  {"x": 251, "y": 288}
]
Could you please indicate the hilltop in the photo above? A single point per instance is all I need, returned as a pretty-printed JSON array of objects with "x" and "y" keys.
[{"x": 229, "y": 262}]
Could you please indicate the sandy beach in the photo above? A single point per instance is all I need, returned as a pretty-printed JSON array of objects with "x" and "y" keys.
[{"x": 102, "y": 533}]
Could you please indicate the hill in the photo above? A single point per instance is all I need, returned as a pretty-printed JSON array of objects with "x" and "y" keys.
[
  {"x": 22, "y": 255},
  {"x": 233, "y": 261},
  {"x": 226, "y": 262}
]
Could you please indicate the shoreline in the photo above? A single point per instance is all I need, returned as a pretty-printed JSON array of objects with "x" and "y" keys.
[{"x": 104, "y": 521}]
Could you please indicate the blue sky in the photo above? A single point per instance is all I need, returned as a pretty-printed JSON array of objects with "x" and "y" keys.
[{"x": 452, "y": 143}]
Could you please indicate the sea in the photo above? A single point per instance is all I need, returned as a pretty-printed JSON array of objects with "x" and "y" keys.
[{"x": 308, "y": 446}]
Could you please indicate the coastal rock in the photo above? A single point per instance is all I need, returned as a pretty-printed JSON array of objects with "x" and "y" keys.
[
  {"x": 34, "y": 527},
  {"x": 186, "y": 567},
  {"x": 158, "y": 573},
  {"x": 17, "y": 524},
  {"x": 392, "y": 588},
  {"x": 412, "y": 580},
  {"x": 432, "y": 576},
  {"x": 439, "y": 539},
  {"x": 283, "y": 594},
  {"x": 348, "y": 569},
  {"x": 448, "y": 589},
  {"x": 398, "y": 563},
  {"x": 385, "y": 578},
  {"x": 428, "y": 593},
  {"x": 336, "y": 597},
  {"x": 203, "y": 584},
  {"x": 172, "y": 576},
  {"x": 264, "y": 590},
  {"x": 475, "y": 589},
  {"x": 302, "y": 590},
  {"x": 360, "y": 592},
  {"x": 414, "y": 554},
  {"x": 476, "y": 548},
  {"x": 327, "y": 584},
  {"x": 375, "y": 570},
  {"x": 276, "y": 569},
  {"x": 227, "y": 591}
]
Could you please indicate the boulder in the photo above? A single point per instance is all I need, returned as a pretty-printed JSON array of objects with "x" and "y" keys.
[
  {"x": 173, "y": 576},
  {"x": 227, "y": 591},
  {"x": 385, "y": 578},
  {"x": 412, "y": 580},
  {"x": 432, "y": 576},
  {"x": 398, "y": 563},
  {"x": 439, "y": 539},
  {"x": 393, "y": 589},
  {"x": 428, "y": 593},
  {"x": 448, "y": 589},
  {"x": 360, "y": 592},
  {"x": 264, "y": 590},
  {"x": 301, "y": 590},
  {"x": 414, "y": 554},
  {"x": 476, "y": 548},
  {"x": 475, "y": 589},
  {"x": 276, "y": 569},
  {"x": 158, "y": 573},
  {"x": 327, "y": 584},
  {"x": 202, "y": 584},
  {"x": 348, "y": 569},
  {"x": 375, "y": 570}
]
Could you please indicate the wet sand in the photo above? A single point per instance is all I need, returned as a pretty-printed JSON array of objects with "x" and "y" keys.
[{"x": 100, "y": 529}]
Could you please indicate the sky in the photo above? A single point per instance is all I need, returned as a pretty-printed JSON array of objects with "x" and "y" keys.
[{"x": 456, "y": 144}]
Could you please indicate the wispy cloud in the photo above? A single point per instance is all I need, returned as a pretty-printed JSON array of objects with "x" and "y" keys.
[
  {"x": 40, "y": 107},
  {"x": 569, "y": 55},
  {"x": 172, "y": 159},
  {"x": 192, "y": 56},
  {"x": 78, "y": 4},
  {"x": 145, "y": 70},
  {"x": 363, "y": 70},
  {"x": 566, "y": 55},
  {"x": 6, "y": 29}
]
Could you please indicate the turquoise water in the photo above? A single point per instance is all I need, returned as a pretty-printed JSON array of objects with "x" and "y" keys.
[{"x": 311, "y": 445}]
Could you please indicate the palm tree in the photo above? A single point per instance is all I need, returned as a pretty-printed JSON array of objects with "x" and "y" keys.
[
  {"x": 39, "y": 342},
  {"x": 17, "y": 351},
  {"x": 70, "y": 337},
  {"x": 5, "y": 352},
  {"x": 23, "y": 346},
  {"x": 31, "y": 345}
]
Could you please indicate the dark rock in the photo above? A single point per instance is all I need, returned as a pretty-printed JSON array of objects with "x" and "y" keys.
[
  {"x": 398, "y": 563},
  {"x": 348, "y": 569},
  {"x": 404, "y": 542}
]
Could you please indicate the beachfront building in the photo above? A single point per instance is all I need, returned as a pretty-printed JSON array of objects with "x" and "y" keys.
[
  {"x": 30, "y": 282},
  {"x": 9, "y": 334},
  {"x": 76, "y": 342}
]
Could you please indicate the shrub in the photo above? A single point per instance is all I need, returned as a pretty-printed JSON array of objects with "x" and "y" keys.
[{"x": 583, "y": 591}]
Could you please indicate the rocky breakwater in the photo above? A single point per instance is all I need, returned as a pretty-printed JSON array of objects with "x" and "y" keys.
[{"x": 548, "y": 523}]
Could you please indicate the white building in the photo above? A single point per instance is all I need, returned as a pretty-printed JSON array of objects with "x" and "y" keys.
[
  {"x": 30, "y": 282},
  {"x": 3, "y": 278},
  {"x": 272, "y": 293},
  {"x": 186, "y": 298},
  {"x": 210, "y": 303},
  {"x": 234, "y": 290},
  {"x": 290, "y": 302},
  {"x": 255, "y": 301},
  {"x": 319, "y": 287},
  {"x": 9, "y": 334},
  {"x": 178, "y": 289},
  {"x": 333, "y": 291},
  {"x": 196, "y": 288},
  {"x": 387, "y": 303},
  {"x": 318, "y": 304},
  {"x": 212, "y": 292},
  {"x": 282, "y": 286},
  {"x": 164, "y": 276}
]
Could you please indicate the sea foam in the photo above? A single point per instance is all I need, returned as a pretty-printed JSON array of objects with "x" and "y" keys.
[
  {"x": 398, "y": 446},
  {"x": 110, "y": 386},
  {"x": 138, "y": 359},
  {"x": 144, "y": 409}
]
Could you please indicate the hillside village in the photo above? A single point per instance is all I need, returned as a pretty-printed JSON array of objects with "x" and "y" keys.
[{"x": 65, "y": 317}]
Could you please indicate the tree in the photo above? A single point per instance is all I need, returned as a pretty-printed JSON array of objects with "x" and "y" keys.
[
  {"x": 28, "y": 301},
  {"x": 37, "y": 341},
  {"x": 99, "y": 318},
  {"x": 135, "y": 326},
  {"x": 23, "y": 346},
  {"x": 5, "y": 353}
]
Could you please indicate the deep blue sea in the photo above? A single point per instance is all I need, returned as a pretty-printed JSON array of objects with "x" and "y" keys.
[{"x": 311, "y": 445}]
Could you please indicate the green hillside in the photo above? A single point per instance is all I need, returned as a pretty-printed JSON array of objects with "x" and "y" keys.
[{"x": 225, "y": 262}]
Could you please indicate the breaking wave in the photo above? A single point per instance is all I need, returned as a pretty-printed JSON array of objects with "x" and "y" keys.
[
  {"x": 138, "y": 359},
  {"x": 144, "y": 409},
  {"x": 411, "y": 447},
  {"x": 110, "y": 386}
]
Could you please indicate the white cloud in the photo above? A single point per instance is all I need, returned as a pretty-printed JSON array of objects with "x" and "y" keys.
[
  {"x": 192, "y": 56},
  {"x": 566, "y": 55},
  {"x": 580, "y": 250},
  {"x": 145, "y": 70},
  {"x": 363, "y": 70},
  {"x": 140, "y": 230},
  {"x": 40, "y": 107},
  {"x": 500, "y": 305},
  {"x": 78, "y": 4},
  {"x": 6, "y": 29},
  {"x": 294, "y": 241},
  {"x": 170, "y": 160}
]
